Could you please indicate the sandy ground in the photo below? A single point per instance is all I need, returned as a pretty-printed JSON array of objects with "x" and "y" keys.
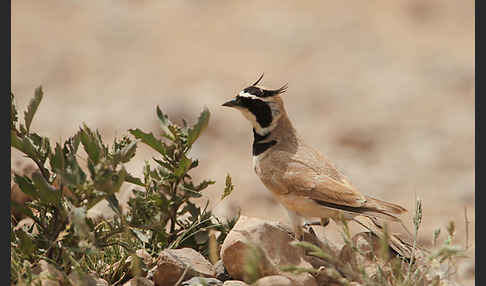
[{"x": 385, "y": 89}]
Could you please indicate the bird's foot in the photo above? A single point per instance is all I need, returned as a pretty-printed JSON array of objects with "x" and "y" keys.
[
  {"x": 325, "y": 221},
  {"x": 299, "y": 234}
]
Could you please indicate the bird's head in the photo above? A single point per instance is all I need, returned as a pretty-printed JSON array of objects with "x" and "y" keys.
[{"x": 262, "y": 107}]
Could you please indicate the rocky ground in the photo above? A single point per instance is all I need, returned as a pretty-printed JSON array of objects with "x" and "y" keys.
[
  {"x": 385, "y": 89},
  {"x": 260, "y": 252}
]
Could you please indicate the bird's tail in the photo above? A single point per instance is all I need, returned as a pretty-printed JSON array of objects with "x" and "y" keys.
[
  {"x": 375, "y": 208},
  {"x": 384, "y": 206},
  {"x": 400, "y": 244}
]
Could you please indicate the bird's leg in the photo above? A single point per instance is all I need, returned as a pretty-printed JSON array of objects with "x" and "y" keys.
[
  {"x": 296, "y": 221},
  {"x": 324, "y": 221},
  {"x": 312, "y": 223}
]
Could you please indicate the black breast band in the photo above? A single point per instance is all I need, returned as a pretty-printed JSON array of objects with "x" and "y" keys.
[{"x": 258, "y": 146}]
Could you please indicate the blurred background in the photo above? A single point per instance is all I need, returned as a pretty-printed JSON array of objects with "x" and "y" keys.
[{"x": 384, "y": 89}]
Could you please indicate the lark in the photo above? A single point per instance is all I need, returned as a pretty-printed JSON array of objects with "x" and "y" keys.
[{"x": 305, "y": 182}]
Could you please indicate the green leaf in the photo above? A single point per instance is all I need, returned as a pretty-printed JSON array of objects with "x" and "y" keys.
[
  {"x": 183, "y": 167},
  {"x": 91, "y": 144},
  {"x": 47, "y": 193},
  {"x": 113, "y": 203},
  {"x": 72, "y": 173},
  {"x": 149, "y": 139},
  {"x": 26, "y": 243},
  {"x": 24, "y": 145},
  {"x": 21, "y": 208},
  {"x": 26, "y": 186},
  {"x": 134, "y": 180},
  {"x": 164, "y": 120},
  {"x": 73, "y": 143},
  {"x": 16, "y": 142},
  {"x": 228, "y": 187},
  {"x": 140, "y": 235},
  {"x": 57, "y": 159},
  {"x": 163, "y": 164},
  {"x": 32, "y": 108},
  {"x": 198, "y": 128},
  {"x": 204, "y": 184},
  {"x": 128, "y": 152},
  {"x": 118, "y": 180}
]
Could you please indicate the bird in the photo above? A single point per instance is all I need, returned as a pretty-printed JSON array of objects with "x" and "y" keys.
[{"x": 300, "y": 178}]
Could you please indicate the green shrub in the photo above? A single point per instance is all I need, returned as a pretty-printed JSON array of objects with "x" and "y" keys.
[{"x": 161, "y": 214}]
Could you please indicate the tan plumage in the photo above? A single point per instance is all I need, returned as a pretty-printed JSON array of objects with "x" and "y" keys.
[{"x": 299, "y": 176}]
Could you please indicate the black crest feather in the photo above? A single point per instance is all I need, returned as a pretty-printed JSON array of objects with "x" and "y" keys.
[{"x": 259, "y": 79}]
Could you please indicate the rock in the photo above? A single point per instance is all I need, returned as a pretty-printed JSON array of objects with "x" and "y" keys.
[
  {"x": 26, "y": 224},
  {"x": 266, "y": 246},
  {"x": 274, "y": 280},
  {"x": 202, "y": 281},
  {"x": 220, "y": 271},
  {"x": 172, "y": 263},
  {"x": 234, "y": 283},
  {"x": 146, "y": 257},
  {"x": 49, "y": 275},
  {"x": 83, "y": 279},
  {"x": 139, "y": 281},
  {"x": 146, "y": 261}
]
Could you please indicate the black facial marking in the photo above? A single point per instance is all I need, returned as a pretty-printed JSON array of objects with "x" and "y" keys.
[
  {"x": 259, "y": 108},
  {"x": 257, "y": 137},
  {"x": 258, "y": 92},
  {"x": 253, "y": 90}
]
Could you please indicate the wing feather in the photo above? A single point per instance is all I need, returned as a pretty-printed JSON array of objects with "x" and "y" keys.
[{"x": 303, "y": 181}]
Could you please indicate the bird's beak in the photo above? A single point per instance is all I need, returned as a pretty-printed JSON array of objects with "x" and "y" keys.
[{"x": 231, "y": 103}]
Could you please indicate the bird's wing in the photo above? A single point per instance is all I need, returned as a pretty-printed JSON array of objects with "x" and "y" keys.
[{"x": 301, "y": 180}]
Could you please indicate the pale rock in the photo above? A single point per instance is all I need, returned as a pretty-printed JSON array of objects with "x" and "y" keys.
[
  {"x": 234, "y": 283},
  {"x": 268, "y": 242},
  {"x": 274, "y": 280},
  {"x": 26, "y": 224},
  {"x": 202, "y": 281},
  {"x": 172, "y": 263},
  {"x": 49, "y": 275},
  {"x": 146, "y": 257},
  {"x": 84, "y": 279}
]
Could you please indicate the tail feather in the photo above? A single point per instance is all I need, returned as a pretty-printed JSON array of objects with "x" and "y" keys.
[
  {"x": 402, "y": 245},
  {"x": 383, "y": 206}
]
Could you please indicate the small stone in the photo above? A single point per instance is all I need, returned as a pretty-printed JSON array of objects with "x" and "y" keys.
[
  {"x": 202, "y": 281},
  {"x": 267, "y": 246},
  {"x": 172, "y": 263},
  {"x": 274, "y": 280},
  {"x": 49, "y": 275},
  {"x": 146, "y": 257},
  {"x": 139, "y": 281},
  {"x": 26, "y": 224},
  {"x": 84, "y": 279},
  {"x": 234, "y": 283}
]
